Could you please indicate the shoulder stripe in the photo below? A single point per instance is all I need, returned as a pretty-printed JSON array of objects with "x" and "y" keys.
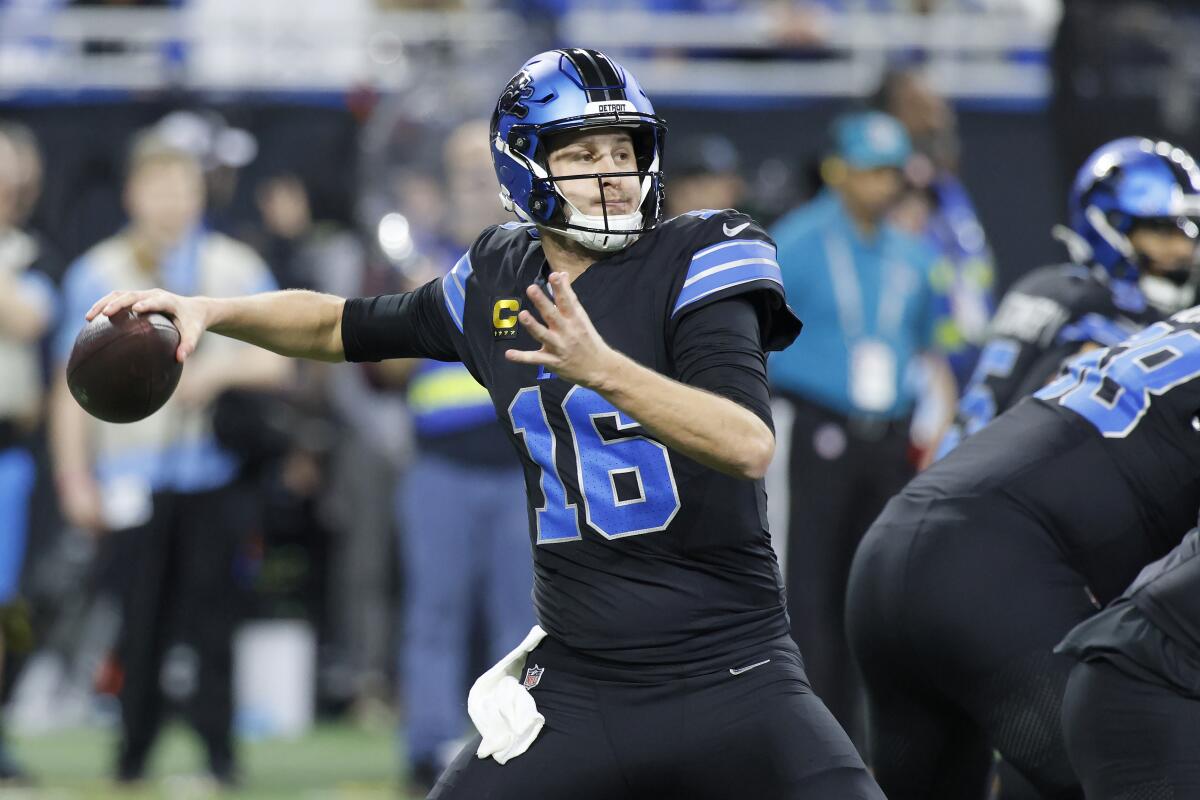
[
  {"x": 454, "y": 289},
  {"x": 764, "y": 248},
  {"x": 727, "y": 279},
  {"x": 748, "y": 275},
  {"x": 699, "y": 276},
  {"x": 727, "y": 264}
]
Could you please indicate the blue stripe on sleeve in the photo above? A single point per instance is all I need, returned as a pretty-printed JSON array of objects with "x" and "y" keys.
[
  {"x": 724, "y": 252},
  {"x": 454, "y": 289},
  {"x": 1094, "y": 328},
  {"x": 726, "y": 265}
]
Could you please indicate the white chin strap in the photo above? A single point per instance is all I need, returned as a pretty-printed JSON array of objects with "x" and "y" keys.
[{"x": 603, "y": 242}]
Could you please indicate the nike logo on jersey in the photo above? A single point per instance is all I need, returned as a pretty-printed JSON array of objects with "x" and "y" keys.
[
  {"x": 735, "y": 230},
  {"x": 740, "y": 670}
]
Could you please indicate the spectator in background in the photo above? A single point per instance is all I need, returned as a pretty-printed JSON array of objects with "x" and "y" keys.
[
  {"x": 465, "y": 542},
  {"x": 222, "y": 152},
  {"x": 29, "y": 170},
  {"x": 29, "y": 192},
  {"x": 703, "y": 172},
  {"x": 938, "y": 209},
  {"x": 161, "y": 489},
  {"x": 863, "y": 288},
  {"x": 26, "y": 308},
  {"x": 290, "y": 243}
]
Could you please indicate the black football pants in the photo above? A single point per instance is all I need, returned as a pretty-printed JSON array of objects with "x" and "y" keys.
[
  {"x": 1130, "y": 739},
  {"x": 179, "y": 607},
  {"x": 953, "y": 611},
  {"x": 716, "y": 736}
]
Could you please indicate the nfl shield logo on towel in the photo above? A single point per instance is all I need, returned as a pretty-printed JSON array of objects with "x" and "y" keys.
[{"x": 533, "y": 676}]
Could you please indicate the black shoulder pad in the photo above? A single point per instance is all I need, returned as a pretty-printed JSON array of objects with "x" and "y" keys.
[{"x": 727, "y": 253}]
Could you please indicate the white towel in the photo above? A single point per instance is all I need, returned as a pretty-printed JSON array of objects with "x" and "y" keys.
[{"x": 502, "y": 709}]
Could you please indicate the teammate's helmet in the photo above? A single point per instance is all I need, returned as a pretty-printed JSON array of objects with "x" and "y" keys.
[
  {"x": 1128, "y": 182},
  {"x": 571, "y": 90}
]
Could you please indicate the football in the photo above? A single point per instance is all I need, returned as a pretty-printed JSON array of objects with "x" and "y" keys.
[{"x": 123, "y": 368}]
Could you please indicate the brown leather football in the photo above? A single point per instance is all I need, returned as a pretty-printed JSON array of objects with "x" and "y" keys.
[{"x": 124, "y": 368}]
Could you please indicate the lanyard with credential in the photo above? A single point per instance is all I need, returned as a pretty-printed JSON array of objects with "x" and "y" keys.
[
  {"x": 847, "y": 292},
  {"x": 872, "y": 375}
]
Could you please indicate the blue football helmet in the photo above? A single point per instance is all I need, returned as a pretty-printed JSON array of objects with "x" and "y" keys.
[
  {"x": 1128, "y": 182},
  {"x": 572, "y": 90}
]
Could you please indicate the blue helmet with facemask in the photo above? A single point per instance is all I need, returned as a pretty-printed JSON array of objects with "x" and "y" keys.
[
  {"x": 564, "y": 91},
  {"x": 1126, "y": 183}
]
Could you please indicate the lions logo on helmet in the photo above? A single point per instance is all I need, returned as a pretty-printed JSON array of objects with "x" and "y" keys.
[
  {"x": 519, "y": 88},
  {"x": 572, "y": 90}
]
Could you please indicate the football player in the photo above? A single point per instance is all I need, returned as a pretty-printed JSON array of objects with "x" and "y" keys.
[
  {"x": 1131, "y": 714},
  {"x": 625, "y": 358},
  {"x": 1133, "y": 210},
  {"x": 971, "y": 576}
]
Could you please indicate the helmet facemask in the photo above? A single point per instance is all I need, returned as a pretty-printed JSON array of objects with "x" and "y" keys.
[{"x": 548, "y": 206}]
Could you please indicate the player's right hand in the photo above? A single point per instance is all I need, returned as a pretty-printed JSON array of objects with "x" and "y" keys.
[{"x": 189, "y": 313}]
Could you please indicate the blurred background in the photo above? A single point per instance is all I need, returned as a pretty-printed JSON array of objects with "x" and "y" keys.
[{"x": 340, "y": 148}]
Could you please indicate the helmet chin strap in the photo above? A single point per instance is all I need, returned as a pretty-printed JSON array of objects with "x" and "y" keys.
[{"x": 602, "y": 242}]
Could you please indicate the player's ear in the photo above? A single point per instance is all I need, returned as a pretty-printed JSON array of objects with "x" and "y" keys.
[{"x": 833, "y": 171}]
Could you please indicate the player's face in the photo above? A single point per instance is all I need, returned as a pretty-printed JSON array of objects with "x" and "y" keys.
[
  {"x": 872, "y": 192},
  {"x": 1165, "y": 249},
  {"x": 165, "y": 199},
  {"x": 596, "y": 152}
]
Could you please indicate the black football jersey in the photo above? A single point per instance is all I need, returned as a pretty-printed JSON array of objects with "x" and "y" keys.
[
  {"x": 1044, "y": 319},
  {"x": 641, "y": 555},
  {"x": 1106, "y": 458}
]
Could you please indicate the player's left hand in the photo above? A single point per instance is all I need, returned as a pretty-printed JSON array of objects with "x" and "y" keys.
[{"x": 571, "y": 347}]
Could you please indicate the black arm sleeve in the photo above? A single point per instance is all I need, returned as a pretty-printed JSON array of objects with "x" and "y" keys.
[
  {"x": 410, "y": 325},
  {"x": 717, "y": 348}
]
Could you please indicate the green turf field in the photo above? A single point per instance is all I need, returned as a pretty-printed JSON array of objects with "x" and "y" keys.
[{"x": 334, "y": 762}]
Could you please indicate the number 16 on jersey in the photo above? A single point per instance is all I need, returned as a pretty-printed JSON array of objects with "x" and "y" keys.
[{"x": 598, "y": 463}]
